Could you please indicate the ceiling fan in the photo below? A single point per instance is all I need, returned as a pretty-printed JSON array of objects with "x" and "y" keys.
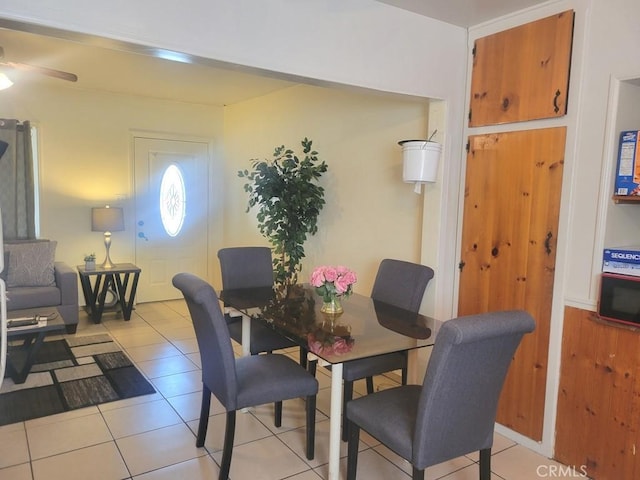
[{"x": 35, "y": 69}]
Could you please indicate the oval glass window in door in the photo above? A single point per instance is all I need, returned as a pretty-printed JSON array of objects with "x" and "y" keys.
[{"x": 172, "y": 200}]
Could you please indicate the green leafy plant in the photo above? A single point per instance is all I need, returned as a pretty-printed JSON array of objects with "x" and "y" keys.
[
  {"x": 289, "y": 200},
  {"x": 91, "y": 257}
]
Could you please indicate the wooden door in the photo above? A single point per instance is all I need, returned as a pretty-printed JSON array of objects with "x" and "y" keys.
[
  {"x": 509, "y": 234},
  {"x": 522, "y": 73}
]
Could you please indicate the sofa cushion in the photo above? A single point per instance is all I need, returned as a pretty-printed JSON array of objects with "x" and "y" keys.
[
  {"x": 31, "y": 264},
  {"x": 32, "y": 297}
]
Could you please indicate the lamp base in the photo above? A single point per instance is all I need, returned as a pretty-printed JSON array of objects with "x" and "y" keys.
[{"x": 107, "y": 264}]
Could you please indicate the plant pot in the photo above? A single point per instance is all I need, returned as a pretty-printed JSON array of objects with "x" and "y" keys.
[{"x": 90, "y": 265}]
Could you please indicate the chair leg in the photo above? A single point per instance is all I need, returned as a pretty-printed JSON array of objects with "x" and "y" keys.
[
  {"x": 347, "y": 395},
  {"x": 311, "y": 426},
  {"x": 417, "y": 474},
  {"x": 227, "y": 450},
  {"x": 485, "y": 464},
  {"x": 405, "y": 375},
  {"x": 204, "y": 416},
  {"x": 278, "y": 414},
  {"x": 352, "y": 450},
  {"x": 369, "y": 385}
]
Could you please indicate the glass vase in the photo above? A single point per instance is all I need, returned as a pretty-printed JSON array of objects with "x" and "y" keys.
[{"x": 332, "y": 307}]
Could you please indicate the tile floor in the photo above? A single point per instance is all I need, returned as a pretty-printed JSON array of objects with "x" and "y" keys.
[{"x": 152, "y": 437}]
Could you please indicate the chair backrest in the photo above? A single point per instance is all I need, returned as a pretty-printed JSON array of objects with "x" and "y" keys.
[
  {"x": 245, "y": 267},
  {"x": 212, "y": 334},
  {"x": 462, "y": 385},
  {"x": 401, "y": 283}
]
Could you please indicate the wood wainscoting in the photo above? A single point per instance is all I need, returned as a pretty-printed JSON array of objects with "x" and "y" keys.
[{"x": 599, "y": 397}]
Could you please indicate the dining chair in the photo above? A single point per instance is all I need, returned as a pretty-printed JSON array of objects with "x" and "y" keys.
[
  {"x": 243, "y": 382},
  {"x": 398, "y": 283},
  {"x": 453, "y": 412},
  {"x": 250, "y": 267}
]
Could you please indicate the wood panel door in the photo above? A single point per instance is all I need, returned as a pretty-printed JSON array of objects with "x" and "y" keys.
[
  {"x": 598, "y": 421},
  {"x": 509, "y": 233},
  {"x": 522, "y": 73}
]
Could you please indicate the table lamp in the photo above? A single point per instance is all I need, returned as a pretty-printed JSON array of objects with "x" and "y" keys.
[{"x": 107, "y": 219}]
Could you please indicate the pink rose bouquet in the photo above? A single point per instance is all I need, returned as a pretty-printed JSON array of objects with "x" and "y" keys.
[{"x": 332, "y": 282}]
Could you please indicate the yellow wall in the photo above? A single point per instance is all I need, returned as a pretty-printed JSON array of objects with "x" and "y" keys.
[
  {"x": 85, "y": 158},
  {"x": 370, "y": 213}
]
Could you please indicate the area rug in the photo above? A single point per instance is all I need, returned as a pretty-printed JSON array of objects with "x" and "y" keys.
[{"x": 72, "y": 373}]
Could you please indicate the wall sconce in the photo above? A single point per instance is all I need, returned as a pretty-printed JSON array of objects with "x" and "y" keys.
[
  {"x": 107, "y": 220},
  {"x": 420, "y": 162}
]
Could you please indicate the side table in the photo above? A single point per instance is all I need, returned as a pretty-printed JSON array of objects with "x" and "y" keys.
[{"x": 116, "y": 278}]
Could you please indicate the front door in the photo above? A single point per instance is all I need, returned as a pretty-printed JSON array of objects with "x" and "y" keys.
[
  {"x": 171, "y": 193},
  {"x": 509, "y": 235}
]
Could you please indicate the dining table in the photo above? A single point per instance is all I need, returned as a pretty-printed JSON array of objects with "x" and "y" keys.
[{"x": 364, "y": 329}]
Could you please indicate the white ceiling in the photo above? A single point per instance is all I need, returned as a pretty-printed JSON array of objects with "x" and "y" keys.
[
  {"x": 117, "y": 68},
  {"x": 464, "y": 13},
  {"x": 117, "y": 71}
]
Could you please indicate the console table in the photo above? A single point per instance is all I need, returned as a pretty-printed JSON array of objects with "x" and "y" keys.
[{"x": 117, "y": 279}]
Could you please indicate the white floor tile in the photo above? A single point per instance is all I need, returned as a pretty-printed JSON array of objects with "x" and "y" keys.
[
  {"x": 248, "y": 429},
  {"x": 140, "y": 418},
  {"x": 179, "y": 384},
  {"x": 13, "y": 445},
  {"x": 203, "y": 468},
  {"x": 99, "y": 462},
  {"x": 60, "y": 437},
  {"x": 17, "y": 472},
  {"x": 162, "y": 367},
  {"x": 265, "y": 459},
  {"x": 160, "y": 448}
]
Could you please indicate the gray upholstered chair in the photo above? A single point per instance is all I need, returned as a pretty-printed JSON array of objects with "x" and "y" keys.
[
  {"x": 243, "y": 382},
  {"x": 454, "y": 412},
  {"x": 401, "y": 284},
  {"x": 249, "y": 267}
]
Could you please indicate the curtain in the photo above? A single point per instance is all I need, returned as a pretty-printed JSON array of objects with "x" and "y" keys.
[{"x": 17, "y": 199}]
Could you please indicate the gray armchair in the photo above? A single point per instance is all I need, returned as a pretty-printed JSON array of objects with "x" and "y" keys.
[
  {"x": 243, "y": 382},
  {"x": 454, "y": 412}
]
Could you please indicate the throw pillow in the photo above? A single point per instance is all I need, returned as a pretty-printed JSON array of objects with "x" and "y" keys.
[{"x": 31, "y": 264}]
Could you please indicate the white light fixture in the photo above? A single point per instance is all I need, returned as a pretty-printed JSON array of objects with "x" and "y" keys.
[
  {"x": 420, "y": 162},
  {"x": 4, "y": 81},
  {"x": 107, "y": 219}
]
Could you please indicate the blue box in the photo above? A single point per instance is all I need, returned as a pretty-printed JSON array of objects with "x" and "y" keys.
[
  {"x": 628, "y": 168},
  {"x": 622, "y": 260}
]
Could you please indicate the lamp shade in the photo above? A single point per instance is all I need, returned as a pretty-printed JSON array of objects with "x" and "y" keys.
[{"x": 107, "y": 219}]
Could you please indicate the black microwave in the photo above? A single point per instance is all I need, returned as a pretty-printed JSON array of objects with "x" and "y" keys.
[{"x": 620, "y": 298}]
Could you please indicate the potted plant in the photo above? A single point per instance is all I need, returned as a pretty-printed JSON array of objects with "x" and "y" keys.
[
  {"x": 289, "y": 200},
  {"x": 90, "y": 261}
]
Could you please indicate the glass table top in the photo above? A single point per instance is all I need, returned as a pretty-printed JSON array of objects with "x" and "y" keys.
[{"x": 366, "y": 327}]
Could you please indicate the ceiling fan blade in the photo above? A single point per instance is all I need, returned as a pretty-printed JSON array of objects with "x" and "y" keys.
[{"x": 42, "y": 70}]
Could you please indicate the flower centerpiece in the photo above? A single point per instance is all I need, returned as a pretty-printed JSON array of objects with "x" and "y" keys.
[{"x": 332, "y": 284}]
